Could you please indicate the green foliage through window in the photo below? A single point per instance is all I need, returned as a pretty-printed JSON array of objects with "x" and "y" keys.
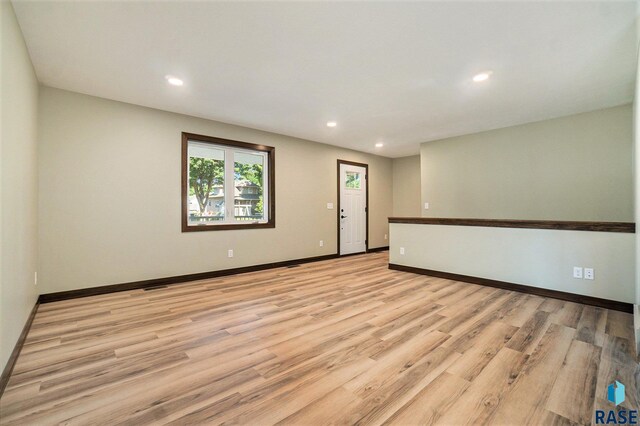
[
  {"x": 204, "y": 173},
  {"x": 352, "y": 180}
]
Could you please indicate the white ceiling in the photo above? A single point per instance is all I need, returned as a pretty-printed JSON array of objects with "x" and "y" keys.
[{"x": 394, "y": 72}]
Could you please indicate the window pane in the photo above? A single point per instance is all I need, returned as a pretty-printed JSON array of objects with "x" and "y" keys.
[
  {"x": 248, "y": 200},
  {"x": 206, "y": 184},
  {"x": 353, "y": 180}
]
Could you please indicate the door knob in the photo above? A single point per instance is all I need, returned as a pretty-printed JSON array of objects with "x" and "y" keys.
[{"x": 342, "y": 217}]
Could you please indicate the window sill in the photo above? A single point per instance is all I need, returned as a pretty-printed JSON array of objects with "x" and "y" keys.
[{"x": 228, "y": 226}]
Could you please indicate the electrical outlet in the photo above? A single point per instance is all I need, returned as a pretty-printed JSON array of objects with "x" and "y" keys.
[
  {"x": 426, "y": 206},
  {"x": 588, "y": 273},
  {"x": 385, "y": 236},
  {"x": 35, "y": 278},
  {"x": 577, "y": 272},
  {"x": 230, "y": 253},
  {"x": 321, "y": 243},
  {"x": 402, "y": 251}
]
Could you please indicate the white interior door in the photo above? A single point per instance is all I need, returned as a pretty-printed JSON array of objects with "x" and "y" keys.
[{"x": 353, "y": 212}]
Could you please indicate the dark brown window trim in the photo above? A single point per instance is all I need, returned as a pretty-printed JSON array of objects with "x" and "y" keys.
[
  {"x": 624, "y": 227},
  {"x": 271, "y": 208}
]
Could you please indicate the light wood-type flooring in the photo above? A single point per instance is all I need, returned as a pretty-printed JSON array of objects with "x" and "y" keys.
[{"x": 344, "y": 341}]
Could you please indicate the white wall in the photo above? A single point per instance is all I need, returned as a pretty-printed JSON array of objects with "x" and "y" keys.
[
  {"x": 406, "y": 186},
  {"x": 110, "y": 196},
  {"x": 18, "y": 183},
  {"x": 535, "y": 257}
]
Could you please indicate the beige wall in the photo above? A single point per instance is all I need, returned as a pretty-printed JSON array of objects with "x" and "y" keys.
[
  {"x": 110, "y": 196},
  {"x": 571, "y": 168},
  {"x": 18, "y": 183},
  {"x": 406, "y": 186},
  {"x": 535, "y": 257}
]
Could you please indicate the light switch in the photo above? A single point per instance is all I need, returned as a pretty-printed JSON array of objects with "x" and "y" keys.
[{"x": 330, "y": 206}]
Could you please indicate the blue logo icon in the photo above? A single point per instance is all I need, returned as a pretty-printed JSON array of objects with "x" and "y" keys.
[{"x": 615, "y": 393}]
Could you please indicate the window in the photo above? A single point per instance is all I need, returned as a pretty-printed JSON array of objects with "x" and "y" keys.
[
  {"x": 352, "y": 180},
  {"x": 226, "y": 184}
]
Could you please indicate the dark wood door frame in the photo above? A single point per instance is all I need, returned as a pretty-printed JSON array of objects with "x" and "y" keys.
[{"x": 366, "y": 206}]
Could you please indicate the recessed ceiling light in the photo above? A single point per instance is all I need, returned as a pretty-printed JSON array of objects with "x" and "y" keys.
[
  {"x": 483, "y": 76},
  {"x": 331, "y": 124},
  {"x": 174, "y": 81},
  {"x": 379, "y": 145}
]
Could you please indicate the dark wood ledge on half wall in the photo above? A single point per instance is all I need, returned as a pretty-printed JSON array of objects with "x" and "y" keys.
[{"x": 624, "y": 227}]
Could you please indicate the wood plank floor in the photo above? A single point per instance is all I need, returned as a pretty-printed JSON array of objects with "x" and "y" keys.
[{"x": 344, "y": 341}]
